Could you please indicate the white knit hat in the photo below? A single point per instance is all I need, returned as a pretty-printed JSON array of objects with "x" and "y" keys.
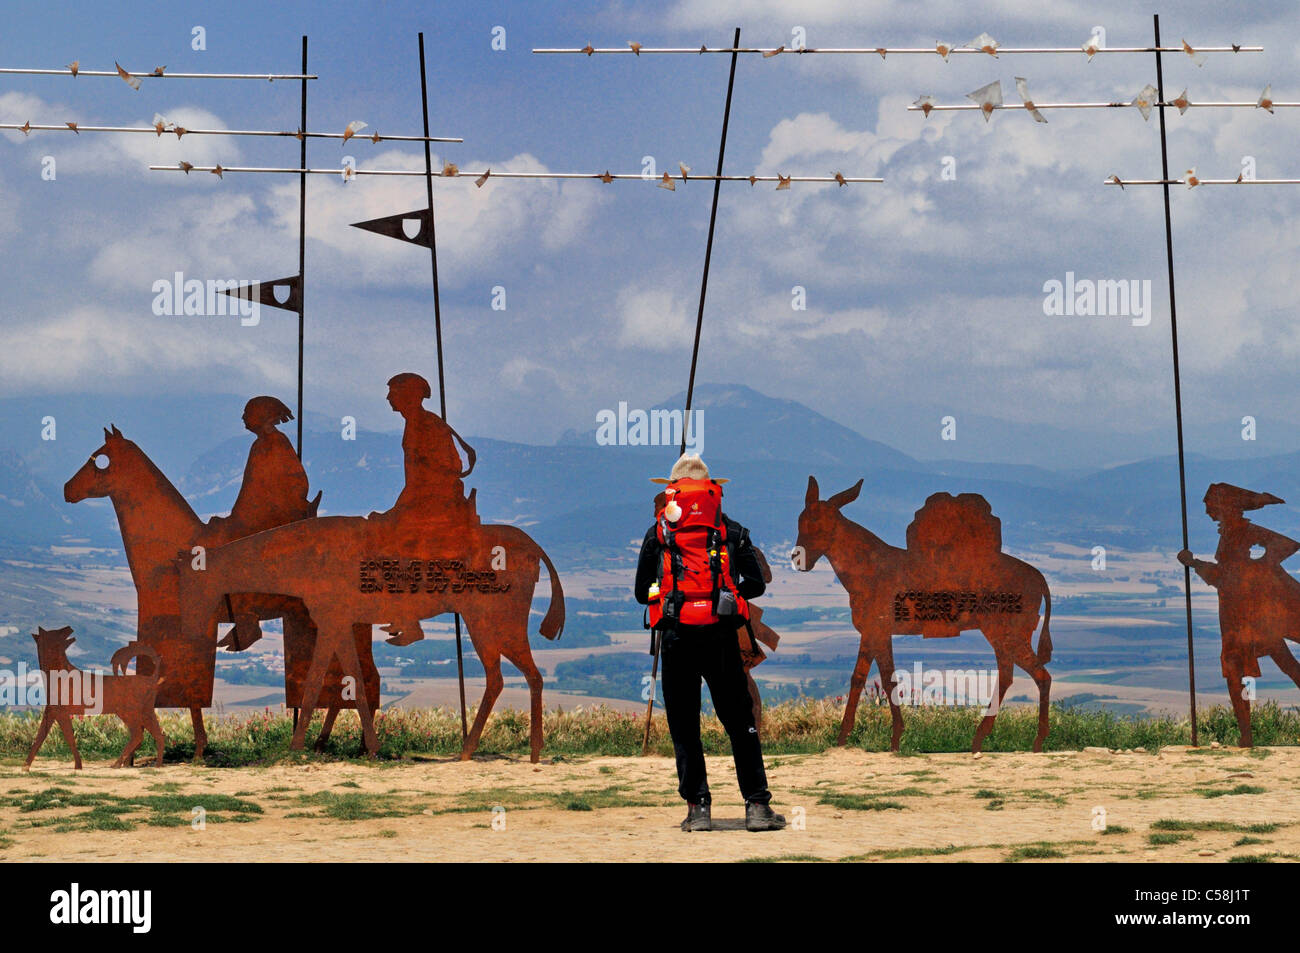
[{"x": 689, "y": 466}]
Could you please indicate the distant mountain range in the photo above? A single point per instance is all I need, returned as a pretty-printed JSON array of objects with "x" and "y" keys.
[{"x": 577, "y": 495}]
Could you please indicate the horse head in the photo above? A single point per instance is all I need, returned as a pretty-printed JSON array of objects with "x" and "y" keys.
[
  {"x": 98, "y": 476},
  {"x": 818, "y": 522},
  {"x": 52, "y": 648}
]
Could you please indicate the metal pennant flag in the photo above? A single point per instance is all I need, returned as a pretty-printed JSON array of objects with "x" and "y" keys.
[
  {"x": 283, "y": 293},
  {"x": 988, "y": 97},
  {"x": 410, "y": 227}
]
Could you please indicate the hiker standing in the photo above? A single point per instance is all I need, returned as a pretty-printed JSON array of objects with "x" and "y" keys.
[{"x": 696, "y": 571}]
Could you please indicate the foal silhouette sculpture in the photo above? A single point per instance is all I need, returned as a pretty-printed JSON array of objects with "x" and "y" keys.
[
  {"x": 952, "y": 576},
  {"x": 1259, "y": 601},
  {"x": 71, "y": 692}
]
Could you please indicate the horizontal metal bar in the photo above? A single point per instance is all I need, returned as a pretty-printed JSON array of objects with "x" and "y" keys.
[
  {"x": 976, "y": 107},
  {"x": 1200, "y": 182},
  {"x": 899, "y": 50},
  {"x": 64, "y": 127},
  {"x": 523, "y": 175},
  {"x": 67, "y": 71}
]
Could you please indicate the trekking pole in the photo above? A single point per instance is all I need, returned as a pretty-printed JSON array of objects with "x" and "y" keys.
[{"x": 650, "y": 705}]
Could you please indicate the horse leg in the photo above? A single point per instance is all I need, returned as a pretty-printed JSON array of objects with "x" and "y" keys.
[
  {"x": 65, "y": 723},
  {"x": 1028, "y": 661},
  {"x": 200, "y": 735},
  {"x": 492, "y": 667},
  {"x": 326, "y": 728},
  {"x": 47, "y": 722},
  {"x": 859, "y": 678},
  {"x": 1240, "y": 705},
  {"x": 312, "y": 684},
  {"x": 155, "y": 729},
  {"x": 522, "y": 658},
  {"x": 1005, "y": 675},
  {"x": 350, "y": 662},
  {"x": 885, "y": 662}
]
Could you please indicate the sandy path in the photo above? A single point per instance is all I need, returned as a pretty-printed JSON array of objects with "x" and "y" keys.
[{"x": 602, "y": 809}]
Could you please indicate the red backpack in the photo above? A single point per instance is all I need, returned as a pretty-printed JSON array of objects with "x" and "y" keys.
[{"x": 695, "y": 582}]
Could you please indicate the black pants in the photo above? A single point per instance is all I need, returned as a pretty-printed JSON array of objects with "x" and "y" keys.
[{"x": 711, "y": 653}]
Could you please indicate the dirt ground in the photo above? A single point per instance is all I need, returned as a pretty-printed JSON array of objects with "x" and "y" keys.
[{"x": 1178, "y": 805}]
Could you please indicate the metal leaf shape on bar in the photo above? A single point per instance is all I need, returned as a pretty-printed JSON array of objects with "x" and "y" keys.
[
  {"x": 635, "y": 47},
  {"x": 1266, "y": 98},
  {"x": 353, "y": 128},
  {"x": 1023, "y": 89},
  {"x": 1182, "y": 102},
  {"x": 985, "y": 44},
  {"x": 1115, "y": 180},
  {"x": 1091, "y": 47},
  {"x": 782, "y": 182},
  {"x": 768, "y": 54},
  {"x": 667, "y": 183},
  {"x": 943, "y": 49},
  {"x": 126, "y": 77},
  {"x": 988, "y": 97},
  {"x": 925, "y": 103},
  {"x": 483, "y": 178},
  {"x": 1190, "y": 177},
  {"x": 1145, "y": 99},
  {"x": 1197, "y": 58}
]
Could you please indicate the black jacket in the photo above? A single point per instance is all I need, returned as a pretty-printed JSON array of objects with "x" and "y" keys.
[{"x": 745, "y": 570}]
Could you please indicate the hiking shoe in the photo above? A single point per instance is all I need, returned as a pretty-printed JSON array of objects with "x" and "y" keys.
[
  {"x": 698, "y": 818},
  {"x": 761, "y": 817}
]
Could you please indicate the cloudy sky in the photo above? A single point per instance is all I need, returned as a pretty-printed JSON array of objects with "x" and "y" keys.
[{"x": 924, "y": 294}]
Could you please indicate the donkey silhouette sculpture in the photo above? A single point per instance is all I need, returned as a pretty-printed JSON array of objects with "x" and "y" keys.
[
  {"x": 952, "y": 576},
  {"x": 69, "y": 691},
  {"x": 1259, "y": 601}
]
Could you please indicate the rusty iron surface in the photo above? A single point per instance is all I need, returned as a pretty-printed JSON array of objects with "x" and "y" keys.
[
  {"x": 70, "y": 692},
  {"x": 1258, "y": 599},
  {"x": 161, "y": 531},
  {"x": 951, "y": 577}
]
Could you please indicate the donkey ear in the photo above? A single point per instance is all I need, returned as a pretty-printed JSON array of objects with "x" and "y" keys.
[
  {"x": 813, "y": 494},
  {"x": 116, "y": 432},
  {"x": 844, "y": 497},
  {"x": 107, "y": 435}
]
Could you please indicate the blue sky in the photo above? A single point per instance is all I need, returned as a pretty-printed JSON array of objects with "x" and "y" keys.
[{"x": 924, "y": 295}]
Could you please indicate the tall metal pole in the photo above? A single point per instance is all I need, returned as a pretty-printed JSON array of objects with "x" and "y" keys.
[
  {"x": 302, "y": 236},
  {"x": 1178, "y": 390},
  {"x": 708, "y": 247},
  {"x": 437, "y": 330},
  {"x": 695, "y": 350}
]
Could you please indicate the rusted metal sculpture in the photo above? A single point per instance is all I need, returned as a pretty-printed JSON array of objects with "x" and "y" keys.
[
  {"x": 426, "y": 556},
  {"x": 69, "y": 691},
  {"x": 157, "y": 523},
  {"x": 951, "y": 577},
  {"x": 1259, "y": 601}
]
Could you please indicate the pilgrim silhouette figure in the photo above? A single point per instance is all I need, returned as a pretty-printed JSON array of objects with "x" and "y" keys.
[{"x": 1259, "y": 601}]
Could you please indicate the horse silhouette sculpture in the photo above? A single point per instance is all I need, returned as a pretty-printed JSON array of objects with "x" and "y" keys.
[
  {"x": 953, "y": 576},
  {"x": 156, "y": 524},
  {"x": 69, "y": 691},
  {"x": 395, "y": 569},
  {"x": 1259, "y": 601}
]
